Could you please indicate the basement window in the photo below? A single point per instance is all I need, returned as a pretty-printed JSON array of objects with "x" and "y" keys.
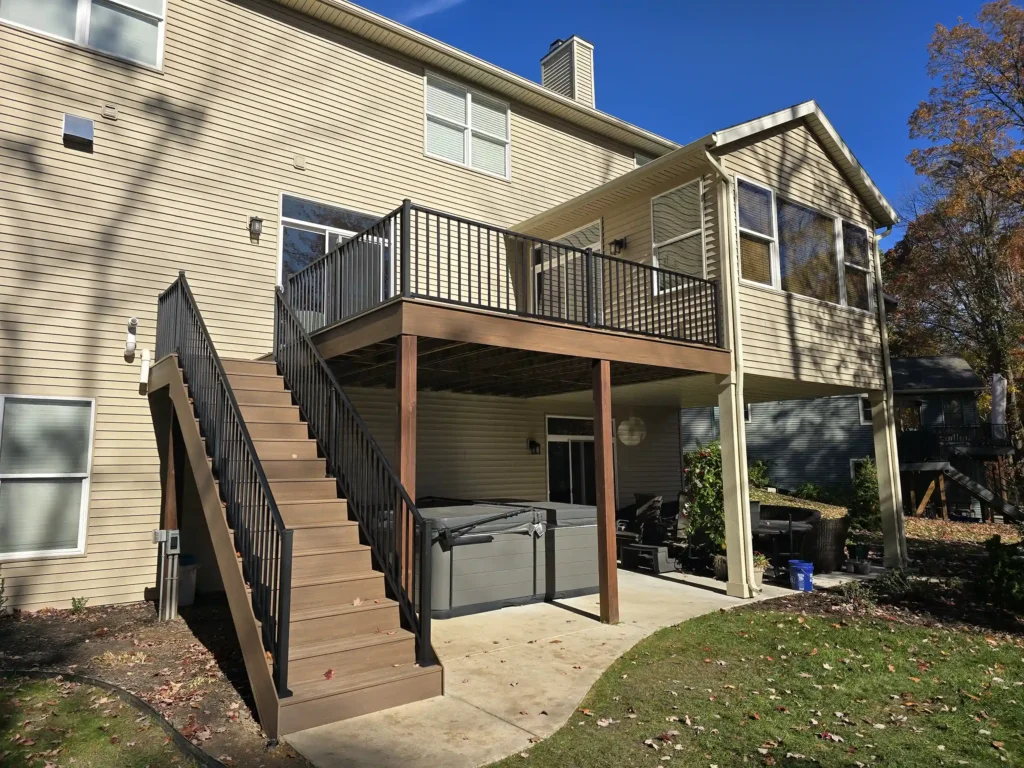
[
  {"x": 45, "y": 465},
  {"x": 466, "y": 127},
  {"x": 132, "y": 30}
]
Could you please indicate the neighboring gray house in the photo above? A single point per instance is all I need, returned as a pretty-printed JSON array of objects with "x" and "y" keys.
[{"x": 821, "y": 440}]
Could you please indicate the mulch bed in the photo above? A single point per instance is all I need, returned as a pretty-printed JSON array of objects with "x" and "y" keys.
[{"x": 190, "y": 670}]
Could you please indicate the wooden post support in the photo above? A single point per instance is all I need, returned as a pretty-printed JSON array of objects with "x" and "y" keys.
[
  {"x": 942, "y": 496},
  {"x": 169, "y": 511},
  {"x": 925, "y": 499},
  {"x": 405, "y": 442},
  {"x": 604, "y": 473},
  {"x": 913, "y": 497}
]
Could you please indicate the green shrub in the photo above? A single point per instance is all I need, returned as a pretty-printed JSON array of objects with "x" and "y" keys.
[
  {"x": 702, "y": 472},
  {"x": 78, "y": 604},
  {"x": 809, "y": 491},
  {"x": 3, "y": 599},
  {"x": 1001, "y": 576},
  {"x": 865, "y": 511},
  {"x": 758, "y": 475}
]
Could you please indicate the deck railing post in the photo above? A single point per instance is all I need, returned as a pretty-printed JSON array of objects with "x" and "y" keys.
[
  {"x": 426, "y": 579},
  {"x": 591, "y": 287},
  {"x": 404, "y": 249},
  {"x": 284, "y": 610}
]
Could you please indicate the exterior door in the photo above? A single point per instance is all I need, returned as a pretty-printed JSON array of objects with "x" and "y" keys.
[{"x": 571, "y": 460}]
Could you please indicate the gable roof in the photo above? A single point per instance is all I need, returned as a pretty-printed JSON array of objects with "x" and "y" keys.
[
  {"x": 657, "y": 171},
  {"x": 449, "y": 60},
  {"x": 934, "y": 374}
]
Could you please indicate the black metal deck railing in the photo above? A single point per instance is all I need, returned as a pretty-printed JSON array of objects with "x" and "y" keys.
[
  {"x": 939, "y": 443},
  {"x": 419, "y": 253},
  {"x": 399, "y": 536},
  {"x": 262, "y": 539}
]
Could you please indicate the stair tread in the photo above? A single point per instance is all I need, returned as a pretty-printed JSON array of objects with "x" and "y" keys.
[
  {"x": 339, "y": 578},
  {"x": 303, "y": 692},
  {"x": 297, "y": 502},
  {"x": 328, "y": 524},
  {"x": 331, "y": 550},
  {"x": 342, "y": 644},
  {"x": 342, "y": 610}
]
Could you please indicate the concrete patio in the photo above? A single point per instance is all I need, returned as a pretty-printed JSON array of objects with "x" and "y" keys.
[{"x": 514, "y": 676}]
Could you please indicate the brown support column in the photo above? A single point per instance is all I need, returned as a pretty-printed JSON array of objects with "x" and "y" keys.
[
  {"x": 608, "y": 578},
  {"x": 405, "y": 445},
  {"x": 924, "y": 501},
  {"x": 169, "y": 511},
  {"x": 942, "y": 496},
  {"x": 913, "y": 498}
]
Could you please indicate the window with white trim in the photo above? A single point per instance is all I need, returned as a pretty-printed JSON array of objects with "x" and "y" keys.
[
  {"x": 677, "y": 232},
  {"x": 795, "y": 248},
  {"x": 855, "y": 465},
  {"x": 128, "y": 29},
  {"x": 640, "y": 159},
  {"x": 466, "y": 127},
  {"x": 865, "y": 409},
  {"x": 45, "y": 464}
]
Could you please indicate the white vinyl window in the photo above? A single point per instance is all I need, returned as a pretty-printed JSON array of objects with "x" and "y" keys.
[
  {"x": 45, "y": 465},
  {"x": 855, "y": 465},
  {"x": 127, "y": 29},
  {"x": 677, "y": 233},
  {"x": 865, "y": 409},
  {"x": 640, "y": 159},
  {"x": 466, "y": 127},
  {"x": 794, "y": 248}
]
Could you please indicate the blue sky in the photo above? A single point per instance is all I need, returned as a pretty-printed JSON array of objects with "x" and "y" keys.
[{"x": 864, "y": 62}]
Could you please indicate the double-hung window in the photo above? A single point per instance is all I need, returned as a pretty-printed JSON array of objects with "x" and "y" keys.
[
  {"x": 45, "y": 463},
  {"x": 677, "y": 234},
  {"x": 466, "y": 127},
  {"x": 128, "y": 29},
  {"x": 795, "y": 248}
]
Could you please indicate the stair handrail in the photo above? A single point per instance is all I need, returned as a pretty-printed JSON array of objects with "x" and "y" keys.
[
  {"x": 400, "y": 536},
  {"x": 261, "y": 537}
]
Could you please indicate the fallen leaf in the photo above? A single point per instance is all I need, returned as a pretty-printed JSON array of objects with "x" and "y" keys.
[{"x": 329, "y": 674}]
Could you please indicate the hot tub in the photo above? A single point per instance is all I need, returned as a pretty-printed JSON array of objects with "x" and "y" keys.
[{"x": 536, "y": 551}]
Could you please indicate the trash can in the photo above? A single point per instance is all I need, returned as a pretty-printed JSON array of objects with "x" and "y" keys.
[
  {"x": 187, "y": 567},
  {"x": 801, "y": 574}
]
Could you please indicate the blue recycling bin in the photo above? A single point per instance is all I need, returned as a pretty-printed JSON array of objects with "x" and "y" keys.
[{"x": 801, "y": 574}]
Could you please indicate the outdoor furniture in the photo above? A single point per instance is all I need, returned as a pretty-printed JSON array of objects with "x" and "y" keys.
[
  {"x": 825, "y": 544},
  {"x": 784, "y": 524}
]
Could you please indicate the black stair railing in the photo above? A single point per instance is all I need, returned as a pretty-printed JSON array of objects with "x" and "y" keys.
[
  {"x": 262, "y": 539},
  {"x": 399, "y": 536}
]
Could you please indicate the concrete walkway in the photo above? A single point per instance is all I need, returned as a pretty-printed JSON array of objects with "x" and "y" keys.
[{"x": 512, "y": 677}]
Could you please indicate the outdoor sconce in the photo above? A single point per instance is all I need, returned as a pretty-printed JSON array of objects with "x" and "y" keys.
[
  {"x": 255, "y": 227},
  {"x": 617, "y": 246},
  {"x": 534, "y": 446}
]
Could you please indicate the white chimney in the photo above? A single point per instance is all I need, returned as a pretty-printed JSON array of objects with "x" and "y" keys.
[{"x": 568, "y": 69}]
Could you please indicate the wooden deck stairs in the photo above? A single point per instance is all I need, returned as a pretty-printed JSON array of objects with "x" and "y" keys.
[{"x": 348, "y": 654}]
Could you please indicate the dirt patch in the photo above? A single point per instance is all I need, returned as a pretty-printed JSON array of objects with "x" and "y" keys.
[{"x": 190, "y": 670}]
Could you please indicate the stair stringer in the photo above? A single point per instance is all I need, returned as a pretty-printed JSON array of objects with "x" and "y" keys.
[{"x": 165, "y": 375}]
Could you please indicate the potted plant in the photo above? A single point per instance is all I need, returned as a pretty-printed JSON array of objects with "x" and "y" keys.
[{"x": 760, "y": 564}]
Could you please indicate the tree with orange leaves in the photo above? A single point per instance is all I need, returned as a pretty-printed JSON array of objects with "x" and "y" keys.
[{"x": 957, "y": 273}]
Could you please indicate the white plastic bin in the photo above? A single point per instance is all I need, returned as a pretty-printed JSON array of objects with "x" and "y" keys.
[{"x": 187, "y": 567}]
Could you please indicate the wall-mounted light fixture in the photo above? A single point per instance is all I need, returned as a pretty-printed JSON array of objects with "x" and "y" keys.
[
  {"x": 255, "y": 227},
  {"x": 617, "y": 246},
  {"x": 534, "y": 446}
]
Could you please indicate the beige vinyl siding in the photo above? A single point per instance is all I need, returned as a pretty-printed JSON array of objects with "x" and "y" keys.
[
  {"x": 89, "y": 240},
  {"x": 584, "y": 74},
  {"x": 790, "y": 336},
  {"x": 475, "y": 447},
  {"x": 557, "y": 72}
]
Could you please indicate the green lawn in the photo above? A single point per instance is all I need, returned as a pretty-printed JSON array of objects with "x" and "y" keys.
[
  {"x": 754, "y": 687},
  {"x": 56, "y": 724}
]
